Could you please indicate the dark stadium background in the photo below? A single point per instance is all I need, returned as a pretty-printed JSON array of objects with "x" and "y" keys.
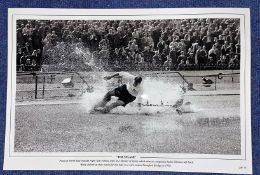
[
  {"x": 129, "y": 45},
  {"x": 255, "y": 40}
]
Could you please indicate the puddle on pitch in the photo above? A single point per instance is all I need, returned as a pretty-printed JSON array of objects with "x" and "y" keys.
[{"x": 162, "y": 124}]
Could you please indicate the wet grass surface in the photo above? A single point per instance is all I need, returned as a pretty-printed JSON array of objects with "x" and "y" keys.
[{"x": 213, "y": 129}]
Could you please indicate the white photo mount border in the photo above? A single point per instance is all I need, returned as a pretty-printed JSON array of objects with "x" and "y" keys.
[{"x": 134, "y": 14}]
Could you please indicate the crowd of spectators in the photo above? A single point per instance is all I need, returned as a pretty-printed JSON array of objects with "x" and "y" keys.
[{"x": 176, "y": 44}]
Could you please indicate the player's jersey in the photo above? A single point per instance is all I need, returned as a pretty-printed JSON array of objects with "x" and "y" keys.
[{"x": 129, "y": 79}]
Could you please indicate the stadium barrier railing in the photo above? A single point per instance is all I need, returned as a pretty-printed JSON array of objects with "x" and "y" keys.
[{"x": 48, "y": 85}]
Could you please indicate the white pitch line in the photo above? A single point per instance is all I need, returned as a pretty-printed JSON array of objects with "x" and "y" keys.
[
  {"x": 79, "y": 100},
  {"x": 47, "y": 102}
]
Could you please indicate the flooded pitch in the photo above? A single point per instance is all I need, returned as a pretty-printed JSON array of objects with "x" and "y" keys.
[{"x": 213, "y": 129}]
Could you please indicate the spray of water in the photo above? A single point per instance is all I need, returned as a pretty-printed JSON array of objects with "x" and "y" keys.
[
  {"x": 76, "y": 57},
  {"x": 156, "y": 92},
  {"x": 89, "y": 100},
  {"x": 70, "y": 56}
]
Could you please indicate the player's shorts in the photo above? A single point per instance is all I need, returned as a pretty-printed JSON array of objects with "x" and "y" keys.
[{"x": 122, "y": 93}]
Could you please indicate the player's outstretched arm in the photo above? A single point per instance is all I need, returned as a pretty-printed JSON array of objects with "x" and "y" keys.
[{"x": 111, "y": 76}]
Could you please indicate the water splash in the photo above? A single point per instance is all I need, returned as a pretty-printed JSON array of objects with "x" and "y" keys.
[
  {"x": 70, "y": 56},
  {"x": 89, "y": 100},
  {"x": 156, "y": 92}
]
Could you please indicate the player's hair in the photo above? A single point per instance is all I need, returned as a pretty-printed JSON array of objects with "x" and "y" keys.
[{"x": 138, "y": 80}]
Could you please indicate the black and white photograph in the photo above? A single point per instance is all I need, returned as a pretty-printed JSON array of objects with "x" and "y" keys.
[{"x": 163, "y": 86}]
